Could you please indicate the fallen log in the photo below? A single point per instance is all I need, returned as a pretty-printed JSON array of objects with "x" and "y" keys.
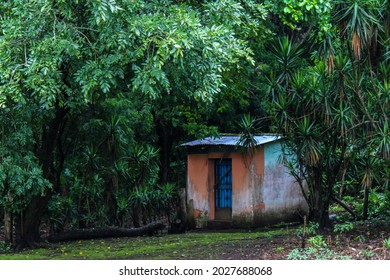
[
  {"x": 106, "y": 232},
  {"x": 345, "y": 206}
]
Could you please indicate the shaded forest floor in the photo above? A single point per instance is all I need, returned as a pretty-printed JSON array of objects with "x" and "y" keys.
[{"x": 364, "y": 241}]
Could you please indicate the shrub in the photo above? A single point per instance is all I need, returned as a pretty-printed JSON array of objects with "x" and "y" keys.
[
  {"x": 311, "y": 229},
  {"x": 342, "y": 228},
  {"x": 318, "y": 250},
  {"x": 386, "y": 243}
]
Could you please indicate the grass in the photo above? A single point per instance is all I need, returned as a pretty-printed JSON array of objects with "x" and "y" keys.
[
  {"x": 362, "y": 241},
  {"x": 191, "y": 245}
]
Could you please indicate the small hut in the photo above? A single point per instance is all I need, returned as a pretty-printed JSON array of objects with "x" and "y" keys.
[{"x": 229, "y": 185}]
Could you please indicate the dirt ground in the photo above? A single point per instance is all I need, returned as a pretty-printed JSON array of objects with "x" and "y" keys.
[
  {"x": 279, "y": 247},
  {"x": 364, "y": 242}
]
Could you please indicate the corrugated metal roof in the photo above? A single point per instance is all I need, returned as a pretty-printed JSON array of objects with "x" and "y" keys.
[{"x": 230, "y": 141}]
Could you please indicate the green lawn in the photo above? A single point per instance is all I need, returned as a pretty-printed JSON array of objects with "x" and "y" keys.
[
  {"x": 192, "y": 245},
  {"x": 364, "y": 241}
]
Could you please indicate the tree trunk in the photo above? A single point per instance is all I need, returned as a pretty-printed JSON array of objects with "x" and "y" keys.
[
  {"x": 365, "y": 202},
  {"x": 136, "y": 218},
  {"x": 165, "y": 142},
  {"x": 110, "y": 199},
  {"x": 319, "y": 206},
  {"x": 324, "y": 222},
  {"x": 345, "y": 169},
  {"x": 180, "y": 225},
  {"x": 8, "y": 221},
  {"x": 165, "y": 148},
  {"x": 8, "y": 227},
  {"x": 108, "y": 232},
  {"x": 27, "y": 224}
]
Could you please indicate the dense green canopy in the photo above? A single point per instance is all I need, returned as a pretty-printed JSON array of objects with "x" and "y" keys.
[{"x": 95, "y": 97}]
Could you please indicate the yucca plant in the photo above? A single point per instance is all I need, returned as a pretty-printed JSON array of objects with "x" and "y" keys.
[
  {"x": 248, "y": 128},
  {"x": 386, "y": 243},
  {"x": 166, "y": 200},
  {"x": 359, "y": 24},
  {"x": 288, "y": 56}
]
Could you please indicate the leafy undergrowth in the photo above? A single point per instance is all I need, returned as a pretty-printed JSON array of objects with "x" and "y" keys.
[{"x": 365, "y": 242}]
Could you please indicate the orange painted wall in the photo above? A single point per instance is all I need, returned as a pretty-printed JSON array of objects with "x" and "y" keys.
[
  {"x": 245, "y": 169},
  {"x": 200, "y": 185}
]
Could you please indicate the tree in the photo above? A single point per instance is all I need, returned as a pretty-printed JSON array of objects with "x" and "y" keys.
[
  {"x": 95, "y": 95},
  {"x": 215, "y": 54},
  {"x": 61, "y": 60},
  {"x": 330, "y": 106}
]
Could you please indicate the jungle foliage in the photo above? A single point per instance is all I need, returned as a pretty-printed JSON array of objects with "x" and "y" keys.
[{"x": 95, "y": 97}]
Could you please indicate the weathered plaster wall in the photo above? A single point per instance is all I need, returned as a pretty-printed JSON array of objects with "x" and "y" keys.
[
  {"x": 248, "y": 171},
  {"x": 279, "y": 193},
  {"x": 198, "y": 186}
]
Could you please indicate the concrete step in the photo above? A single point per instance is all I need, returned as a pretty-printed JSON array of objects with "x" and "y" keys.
[{"x": 219, "y": 224}]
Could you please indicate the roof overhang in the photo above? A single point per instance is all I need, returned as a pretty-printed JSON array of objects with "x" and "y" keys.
[{"x": 232, "y": 141}]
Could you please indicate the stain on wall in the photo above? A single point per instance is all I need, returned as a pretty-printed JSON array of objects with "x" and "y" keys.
[
  {"x": 198, "y": 183},
  {"x": 281, "y": 195}
]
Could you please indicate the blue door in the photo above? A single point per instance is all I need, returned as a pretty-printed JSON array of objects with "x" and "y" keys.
[{"x": 223, "y": 189}]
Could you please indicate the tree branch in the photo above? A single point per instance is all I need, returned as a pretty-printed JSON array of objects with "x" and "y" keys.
[{"x": 345, "y": 206}]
